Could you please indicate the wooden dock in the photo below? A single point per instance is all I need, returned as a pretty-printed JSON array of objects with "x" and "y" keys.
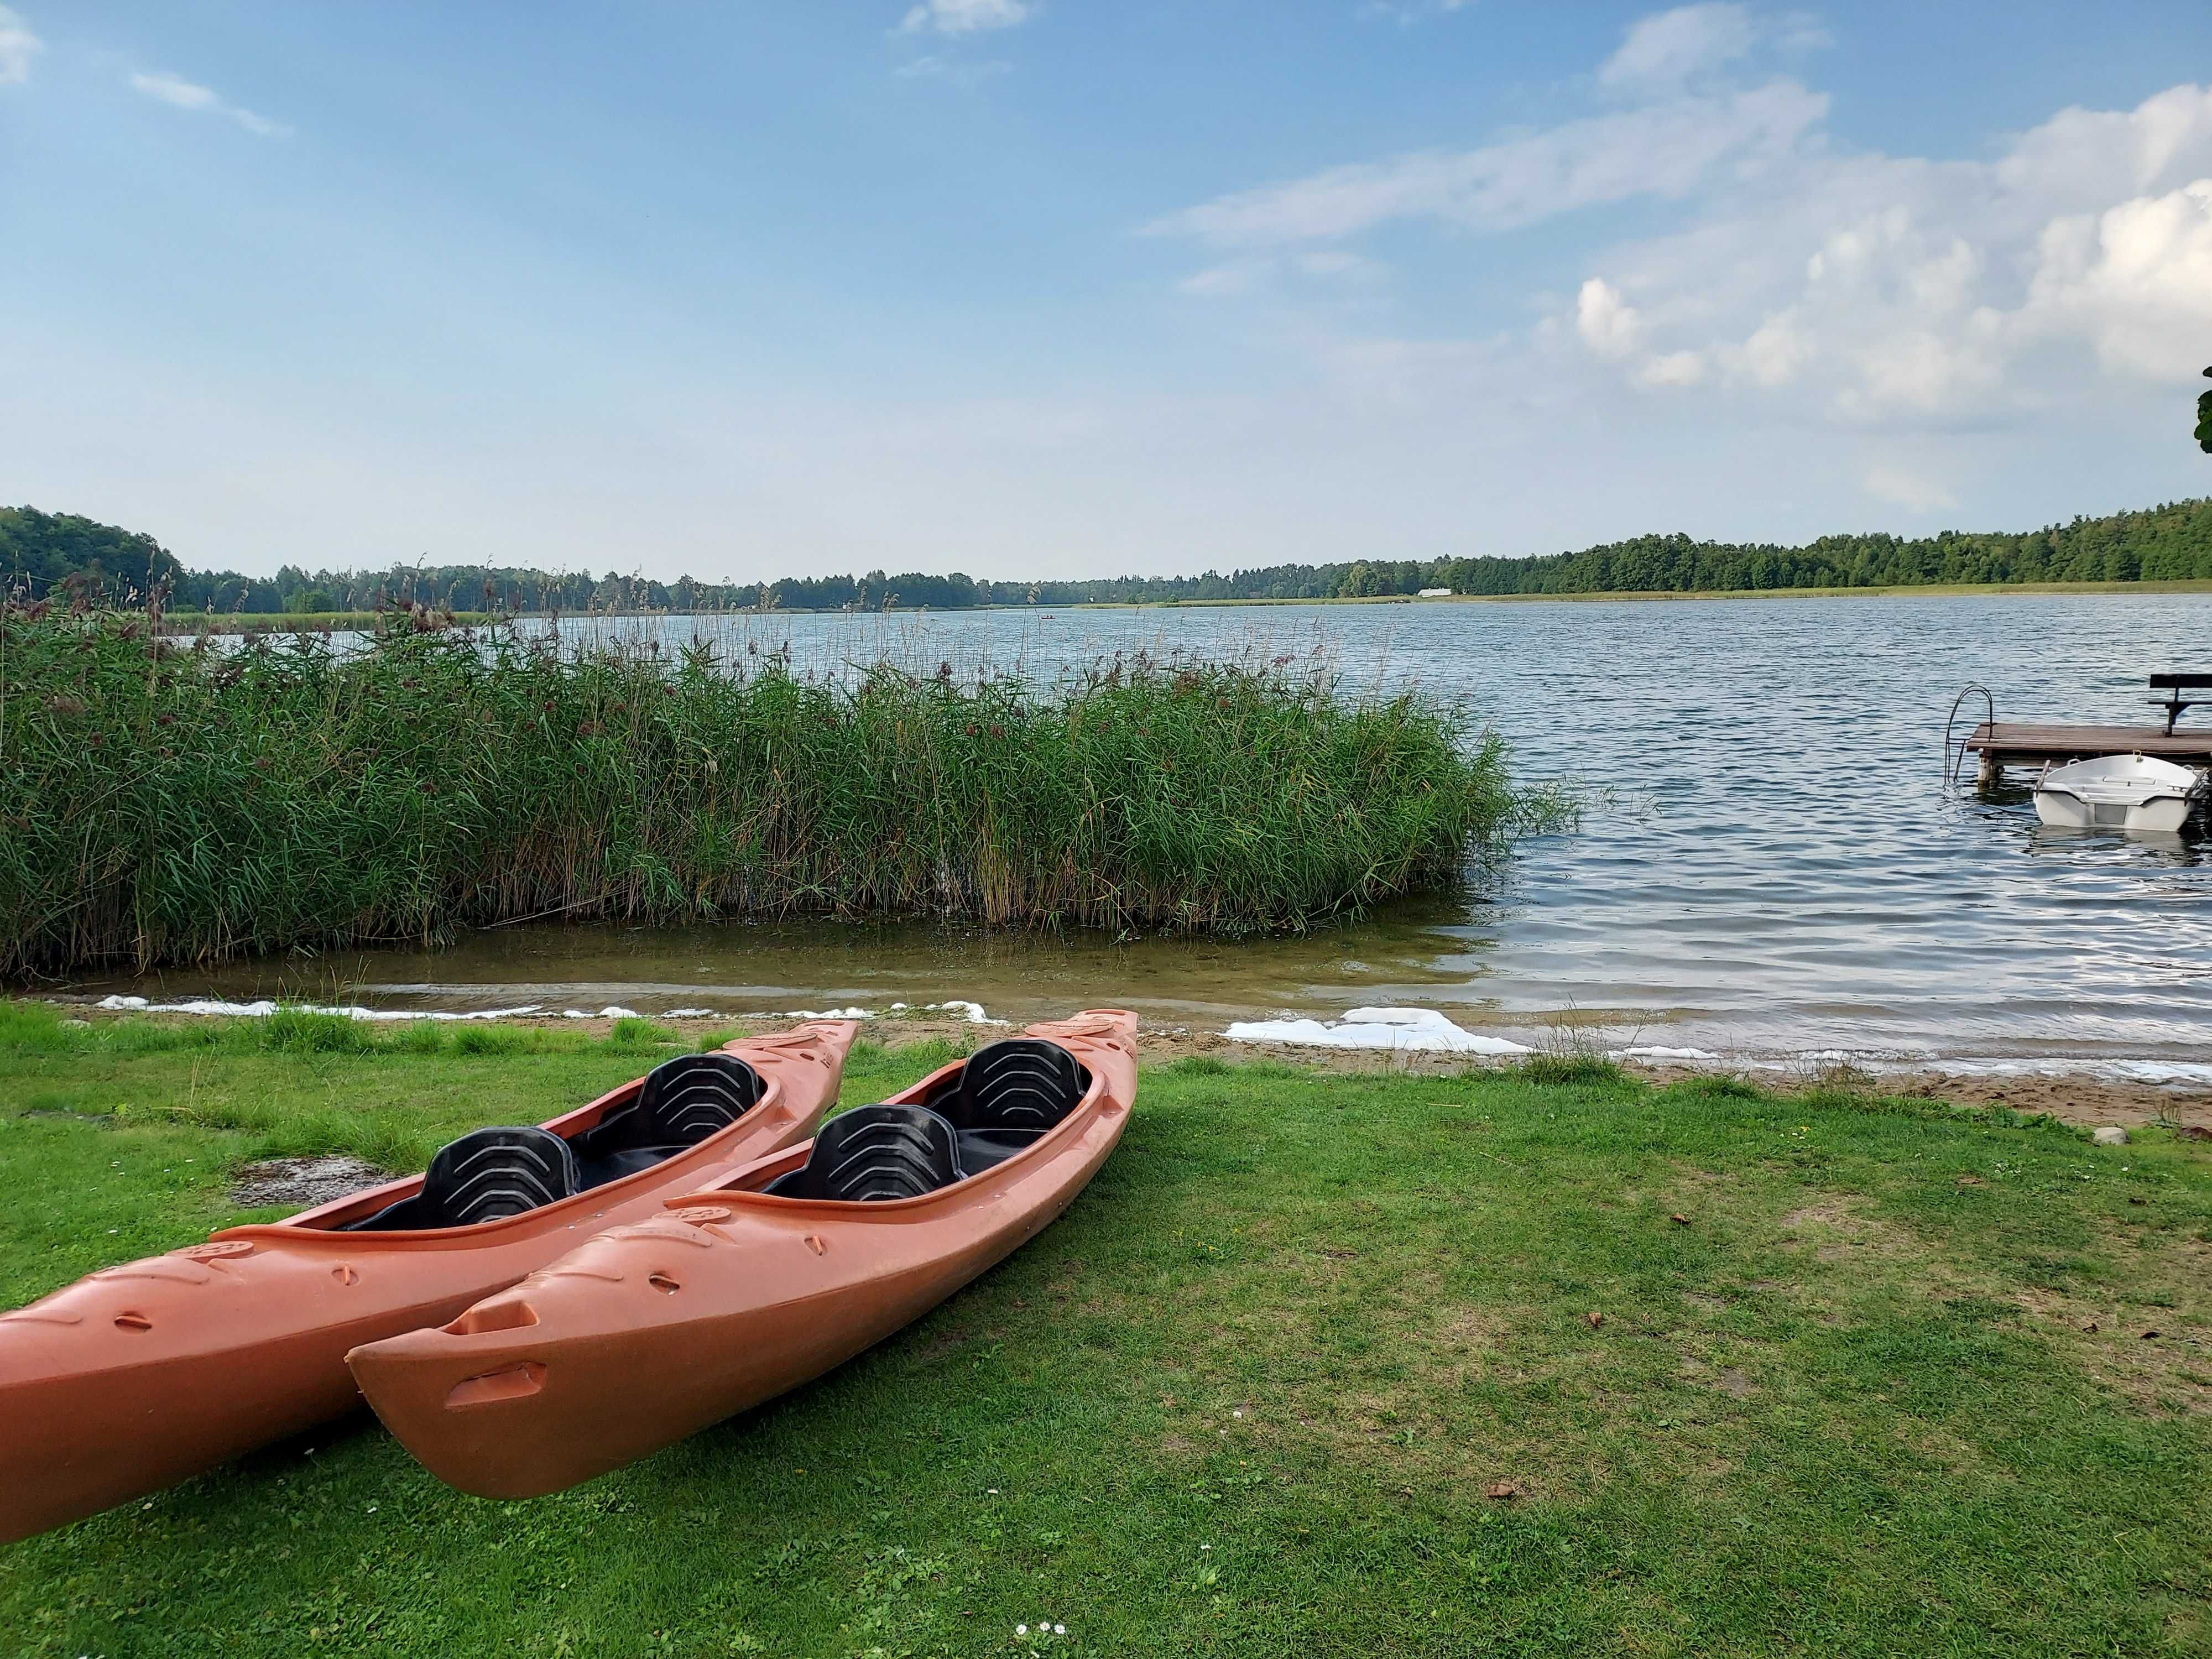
[{"x": 2005, "y": 743}]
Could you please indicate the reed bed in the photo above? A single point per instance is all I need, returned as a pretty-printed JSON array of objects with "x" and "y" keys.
[{"x": 163, "y": 803}]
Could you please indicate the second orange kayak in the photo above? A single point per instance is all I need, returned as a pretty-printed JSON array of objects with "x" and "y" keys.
[
  {"x": 746, "y": 1287},
  {"x": 139, "y": 1375}
]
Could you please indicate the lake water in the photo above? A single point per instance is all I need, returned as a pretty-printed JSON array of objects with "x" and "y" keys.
[{"x": 1773, "y": 865}]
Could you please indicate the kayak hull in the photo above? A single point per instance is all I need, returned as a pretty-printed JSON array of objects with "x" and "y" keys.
[
  {"x": 653, "y": 1331},
  {"x": 142, "y": 1375}
]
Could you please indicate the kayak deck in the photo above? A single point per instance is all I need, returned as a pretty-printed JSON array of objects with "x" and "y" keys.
[{"x": 748, "y": 1286}]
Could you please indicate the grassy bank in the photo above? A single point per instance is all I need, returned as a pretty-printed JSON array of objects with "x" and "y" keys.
[
  {"x": 164, "y": 805},
  {"x": 1885, "y": 1387}
]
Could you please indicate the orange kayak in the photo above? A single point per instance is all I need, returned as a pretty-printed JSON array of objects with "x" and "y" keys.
[
  {"x": 137, "y": 1376},
  {"x": 748, "y": 1286}
]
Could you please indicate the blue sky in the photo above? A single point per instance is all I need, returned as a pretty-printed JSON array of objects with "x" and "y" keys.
[{"x": 1044, "y": 287}]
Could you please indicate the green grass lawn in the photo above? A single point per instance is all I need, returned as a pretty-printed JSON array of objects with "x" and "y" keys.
[{"x": 1253, "y": 1393}]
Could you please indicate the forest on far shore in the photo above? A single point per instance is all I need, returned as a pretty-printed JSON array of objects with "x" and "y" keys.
[{"x": 48, "y": 556}]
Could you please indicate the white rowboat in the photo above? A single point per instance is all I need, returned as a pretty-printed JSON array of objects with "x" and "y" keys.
[{"x": 2116, "y": 792}]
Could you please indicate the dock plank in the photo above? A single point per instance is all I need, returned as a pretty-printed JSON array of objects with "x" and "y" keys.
[{"x": 2016, "y": 743}]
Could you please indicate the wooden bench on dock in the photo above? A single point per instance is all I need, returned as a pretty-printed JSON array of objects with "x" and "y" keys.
[
  {"x": 2174, "y": 702},
  {"x": 2006, "y": 743}
]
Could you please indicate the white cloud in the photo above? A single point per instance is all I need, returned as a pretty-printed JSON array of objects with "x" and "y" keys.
[
  {"x": 1890, "y": 288},
  {"x": 1238, "y": 277},
  {"x": 175, "y": 91},
  {"x": 1907, "y": 489},
  {"x": 18, "y": 45},
  {"x": 1608, "y": 325},
  {"x": 1669, "y": 47},
  {"x": 180, "y": 93},
  {"x": 1675, "y": 368},
  {"x": 2136, "y": 280},
  {"x": 1663, "y": 150},
  {"x": 1777, "y": 349},
  {"x": 966, "y": 16}
]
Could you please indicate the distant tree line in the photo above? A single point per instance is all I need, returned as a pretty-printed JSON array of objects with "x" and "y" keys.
[{"x": 53, "y": 555}]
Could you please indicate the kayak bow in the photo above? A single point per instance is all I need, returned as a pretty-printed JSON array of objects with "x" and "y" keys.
[{"x": 139, "y": 1375}]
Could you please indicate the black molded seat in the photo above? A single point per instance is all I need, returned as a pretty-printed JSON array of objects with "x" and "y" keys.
[
  {"x": 876, "y": 1152},
  {"x": 486, "y": 1175},
  {"x": 490, "y": 1173},
  {"x": 682, "y": 1102},
  {"x": 1023, "y": 1082},
  {"x": 1010, "y": 1094},
  {"x": 686, "y": 1099}
]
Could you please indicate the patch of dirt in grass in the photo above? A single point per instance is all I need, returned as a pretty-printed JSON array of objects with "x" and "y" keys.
[
  {"x": 1465, "y": 1330},
  {"x": 2154, "y": 1358},
  {"x": 1834, "y": 1227},
  {"x": 1833, "y": 1213},
  {"x": 938, "y": 1343},
  {"x": 1730, "y": 1380},
  {"x": 302, "y": 1182}
]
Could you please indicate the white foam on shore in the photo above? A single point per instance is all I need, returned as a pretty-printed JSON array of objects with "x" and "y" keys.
[
  {"x": 262, "y": 1008},
  {"x": 1664, "y": 1054},
  {"x": 1393, "y": 1028}
]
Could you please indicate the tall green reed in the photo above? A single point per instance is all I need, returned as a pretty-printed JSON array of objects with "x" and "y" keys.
[{"x": 160, "y": 803}]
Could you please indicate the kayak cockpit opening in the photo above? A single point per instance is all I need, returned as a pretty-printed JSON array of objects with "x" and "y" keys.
[
  {"x": 1007, "y": 1096},
  {"x": 489, "y": 1174}
]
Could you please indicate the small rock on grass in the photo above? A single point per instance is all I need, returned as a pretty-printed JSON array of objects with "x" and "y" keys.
[
  {"x": 2111, "y": 1134},
  {"x": 1503, "y": 1490}
]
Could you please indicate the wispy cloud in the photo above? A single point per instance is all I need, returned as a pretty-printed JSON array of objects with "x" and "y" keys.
[
  {"x": 177, "y": 92},
  {"x": 1668, "y": 49},
  {"x": 1664, "y": 150},
  {"x": 1409, "y": 11},
  {"x": 1317, "y": 266},
  {"x": 941, "y": 66},
  {"x": 966, "y": 16},
  {"x": 18, "y": 45}
]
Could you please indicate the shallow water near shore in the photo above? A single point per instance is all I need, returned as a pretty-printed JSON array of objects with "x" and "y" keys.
[{"x": 1771, "y": 864}]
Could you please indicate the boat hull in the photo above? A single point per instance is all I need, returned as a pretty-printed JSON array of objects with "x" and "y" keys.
[
  {"x": 142, "y": 1375},
  {"x": 652, "y": 1332},
  {"x": 2118, "y": 791}
]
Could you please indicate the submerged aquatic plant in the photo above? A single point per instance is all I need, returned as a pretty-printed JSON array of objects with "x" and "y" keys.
[{"x": 160, "y": 803}]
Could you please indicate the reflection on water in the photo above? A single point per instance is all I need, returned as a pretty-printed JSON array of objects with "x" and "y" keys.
[{"x": 1776, "y": 866}]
